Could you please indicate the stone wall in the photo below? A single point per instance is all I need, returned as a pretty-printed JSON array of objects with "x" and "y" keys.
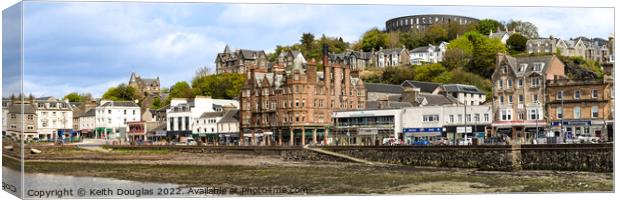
[
  {"x": 570, "y": 157},
  {"x": 566, "y": 157},
  {"x": 578, "y": 157}
]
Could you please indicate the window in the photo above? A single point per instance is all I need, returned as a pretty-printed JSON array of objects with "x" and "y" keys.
[
  {"x": 576, "y": 112},
  {"x": 559, "y": 112},
  {"x": 594, "y": 111},
  {"x": 430, "y": 118},
  {"x": 510, "y": 99},
  {"x": 521, "y": 99},
  {"x": 30, "y": 117},
  {"x": 559, "y": 94},
  {"x": 451, "y": 118},
  {"x": 522, "y": 67},
  {"x": 577, "y": 94},
  {"x": 519, "y": 83},
  {"x": 534, "y": 114},
  {"x": 486, "y": 117},
  {"x": 500, "y": 84},
  {"x": 535, "y": 82},
  {"x": 509, "y": 83},
  {"x": 134, "y": 112},
  {"x": 477, "y": 117},
  {"x": 501, "y": 99},
  {"x": 538, "y": 66},
  {"x": 506, "y": 114},
  {"x": 460, "y": 118},
  {"x": 594, "y": 94},
  {"x": 535, "y": 98},
  {"x": 468, "y": 117},
  {"x": 109, "y": 111}
]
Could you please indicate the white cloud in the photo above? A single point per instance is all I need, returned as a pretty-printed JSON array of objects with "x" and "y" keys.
[{"x": 270, "y": 15}]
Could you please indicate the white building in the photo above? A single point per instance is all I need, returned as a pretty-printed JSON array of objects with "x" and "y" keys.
[
  {"x": 112, "y": 117},
  {"x": 366, "y": 127},
  {"x": 428, "y": 54},
  {"x": 55, "y": 118},
  {"x": 466, "y": 94},
  {"x": 450, "y": 121},
  {"x": 87, "y": 121},
  {"x": 184, "y": 114},
  {"x": 5, "y": 115}
]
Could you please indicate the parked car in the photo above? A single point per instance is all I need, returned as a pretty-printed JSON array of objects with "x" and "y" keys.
[{"x": 465, "y": 141}]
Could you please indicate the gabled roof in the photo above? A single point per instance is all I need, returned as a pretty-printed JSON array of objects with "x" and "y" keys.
[
  {"x": 383, "y": 88},
  {"x": 436, "y": 99},
  {"x": 424, "y": 86}
]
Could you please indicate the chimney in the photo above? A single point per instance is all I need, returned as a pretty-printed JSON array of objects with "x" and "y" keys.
[
  {"x": 311, "y": 71},
  {"x": 410, "y": 95}
]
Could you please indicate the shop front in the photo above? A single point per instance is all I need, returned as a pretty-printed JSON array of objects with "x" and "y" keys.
[
  {"x": 586, "y": 130},
  {"x": 423, "y": 135}
]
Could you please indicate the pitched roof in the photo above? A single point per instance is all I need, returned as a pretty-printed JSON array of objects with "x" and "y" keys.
[
  {"x": 17, "y": 108},
  {"x": 424, "y": 86},
  {"x": 231, "y": 116},
  {"x": 436, "y": 99},
  {"x": 211, "y": 114},
  {"x": 462, "y": 88},
  {"x": 89, "y": 113},
  {"x": 121, "y": 104},
  {"x": 383, "y": 88},
  {"x": 375, "y": 105}
]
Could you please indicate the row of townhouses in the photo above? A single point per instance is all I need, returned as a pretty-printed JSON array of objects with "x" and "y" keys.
[
  {"x": 240, "y": 60},
  {"x": 596, "y": 49}
]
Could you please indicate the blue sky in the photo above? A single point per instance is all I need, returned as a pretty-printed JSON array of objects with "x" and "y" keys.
[{"x": 89, "y": 47}]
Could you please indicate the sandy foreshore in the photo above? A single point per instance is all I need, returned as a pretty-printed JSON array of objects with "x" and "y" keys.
[{"x": 252, "y": 170}]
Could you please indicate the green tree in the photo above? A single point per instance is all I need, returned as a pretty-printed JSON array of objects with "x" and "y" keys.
[
  {"x": 485, "y": 26},
  {"x": 428, "y": 72},
  {"x": 482, "y": 49},
  {"x": 157, "y": 103},
  {"x": 306, "y": 40},
  {"x": 181, "y": 89},
  {"x": 373, "y": 39},
  {"x": 526, "y": 29},
  {"x": 73, "y": 97},
  {"x": 516, "y": 43},
  {"x": 121, "y": 92},
  {"x": 220, "y": 86}
]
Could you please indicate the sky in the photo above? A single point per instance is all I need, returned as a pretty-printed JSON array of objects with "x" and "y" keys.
[{"x": 91, "y": 46}]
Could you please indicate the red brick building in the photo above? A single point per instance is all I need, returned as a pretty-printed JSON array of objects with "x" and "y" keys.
[{"x": 294, "y": 106}]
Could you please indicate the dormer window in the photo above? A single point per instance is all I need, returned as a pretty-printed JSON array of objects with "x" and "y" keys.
[
  {"x": 504, "y": 69},
  {"x": 522, "y": 67},
  {"x": 538, "y": 66}
]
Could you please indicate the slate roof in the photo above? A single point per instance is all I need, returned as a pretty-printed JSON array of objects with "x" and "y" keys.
[
  {"x": 436, "y": 99},
  {"x": 383, "y": 88},
  {"x": 231, "y": 116},
  {"x": 390, "y": 51},
  {"x": 211, "y": 114},
  {"x": 17, "y": 109},
  {"x": 424, "y": 86},
  {"x": 515, "y": 64},
  {"x": 89, "y": 113},
  {"x": 121, "y": 104},
  {"x": 421, "y": 49},
  {"x": 462, "y": 88},
  {"x": 375, "y": 105}
]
